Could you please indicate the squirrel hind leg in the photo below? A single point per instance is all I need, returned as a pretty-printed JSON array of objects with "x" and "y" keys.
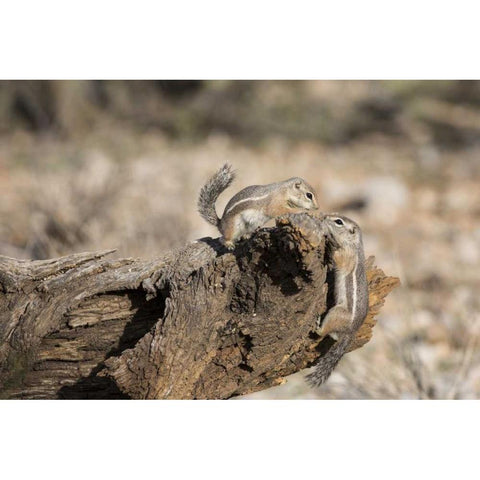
[
  {"x": 337, "y": 321},
  {"x": 230, "y": 232}
]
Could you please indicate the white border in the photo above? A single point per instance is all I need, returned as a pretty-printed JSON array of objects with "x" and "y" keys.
[
  {"x": 215, "y": 39},
  {"x": 250, "y": 439}
]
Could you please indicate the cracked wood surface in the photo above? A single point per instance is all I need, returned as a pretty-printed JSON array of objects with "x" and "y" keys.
[{"x": 199, "y": 322}]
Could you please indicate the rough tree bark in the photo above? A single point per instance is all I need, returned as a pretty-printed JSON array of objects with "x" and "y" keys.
[{"x": 200, "y": 322}]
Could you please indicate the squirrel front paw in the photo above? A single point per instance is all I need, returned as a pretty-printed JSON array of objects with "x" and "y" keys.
[
  {"x": 319, "y": 325},
  {"x": 229, "y": 245}
]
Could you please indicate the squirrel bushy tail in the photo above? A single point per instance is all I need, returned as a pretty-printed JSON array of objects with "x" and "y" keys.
[
  {"x": 328, "y": 362},
  {"x": 209, "y": 193}
]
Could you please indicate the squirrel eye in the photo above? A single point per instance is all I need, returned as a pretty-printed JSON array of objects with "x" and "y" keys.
[
  {"x": 338, "y": 221},
  {"x": 309, "y": 195}
]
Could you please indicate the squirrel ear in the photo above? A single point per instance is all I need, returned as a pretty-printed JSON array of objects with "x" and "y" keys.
[{"x": 298, "y": 184}]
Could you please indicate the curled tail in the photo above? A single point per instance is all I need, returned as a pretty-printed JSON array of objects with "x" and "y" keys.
[
  {"x": 327, "y": 363},
  {"x": 210, "y": 192}
]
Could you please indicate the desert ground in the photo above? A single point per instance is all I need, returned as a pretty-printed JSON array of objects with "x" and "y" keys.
[{"x": 86, "y": 166}]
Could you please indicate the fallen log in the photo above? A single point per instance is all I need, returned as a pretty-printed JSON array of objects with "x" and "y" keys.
[{"x": 200, "y": 322}]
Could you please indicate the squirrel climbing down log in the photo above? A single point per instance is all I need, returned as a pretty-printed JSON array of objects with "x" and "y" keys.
[{"x": 346, "y": 316}]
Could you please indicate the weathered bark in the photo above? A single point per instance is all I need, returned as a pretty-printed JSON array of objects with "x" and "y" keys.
[{"x": 200, "y": 322}]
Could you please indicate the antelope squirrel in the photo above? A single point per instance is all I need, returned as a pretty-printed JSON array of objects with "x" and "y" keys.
[
  {"x": 253, "y": 206},
  {"x": 344, "y": 239}
]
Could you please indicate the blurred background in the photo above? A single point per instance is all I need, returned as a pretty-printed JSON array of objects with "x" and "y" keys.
[{"x": 91, "y": 165}]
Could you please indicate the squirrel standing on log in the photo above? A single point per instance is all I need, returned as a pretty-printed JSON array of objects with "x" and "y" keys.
[{"x": 253, "y": 206}]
